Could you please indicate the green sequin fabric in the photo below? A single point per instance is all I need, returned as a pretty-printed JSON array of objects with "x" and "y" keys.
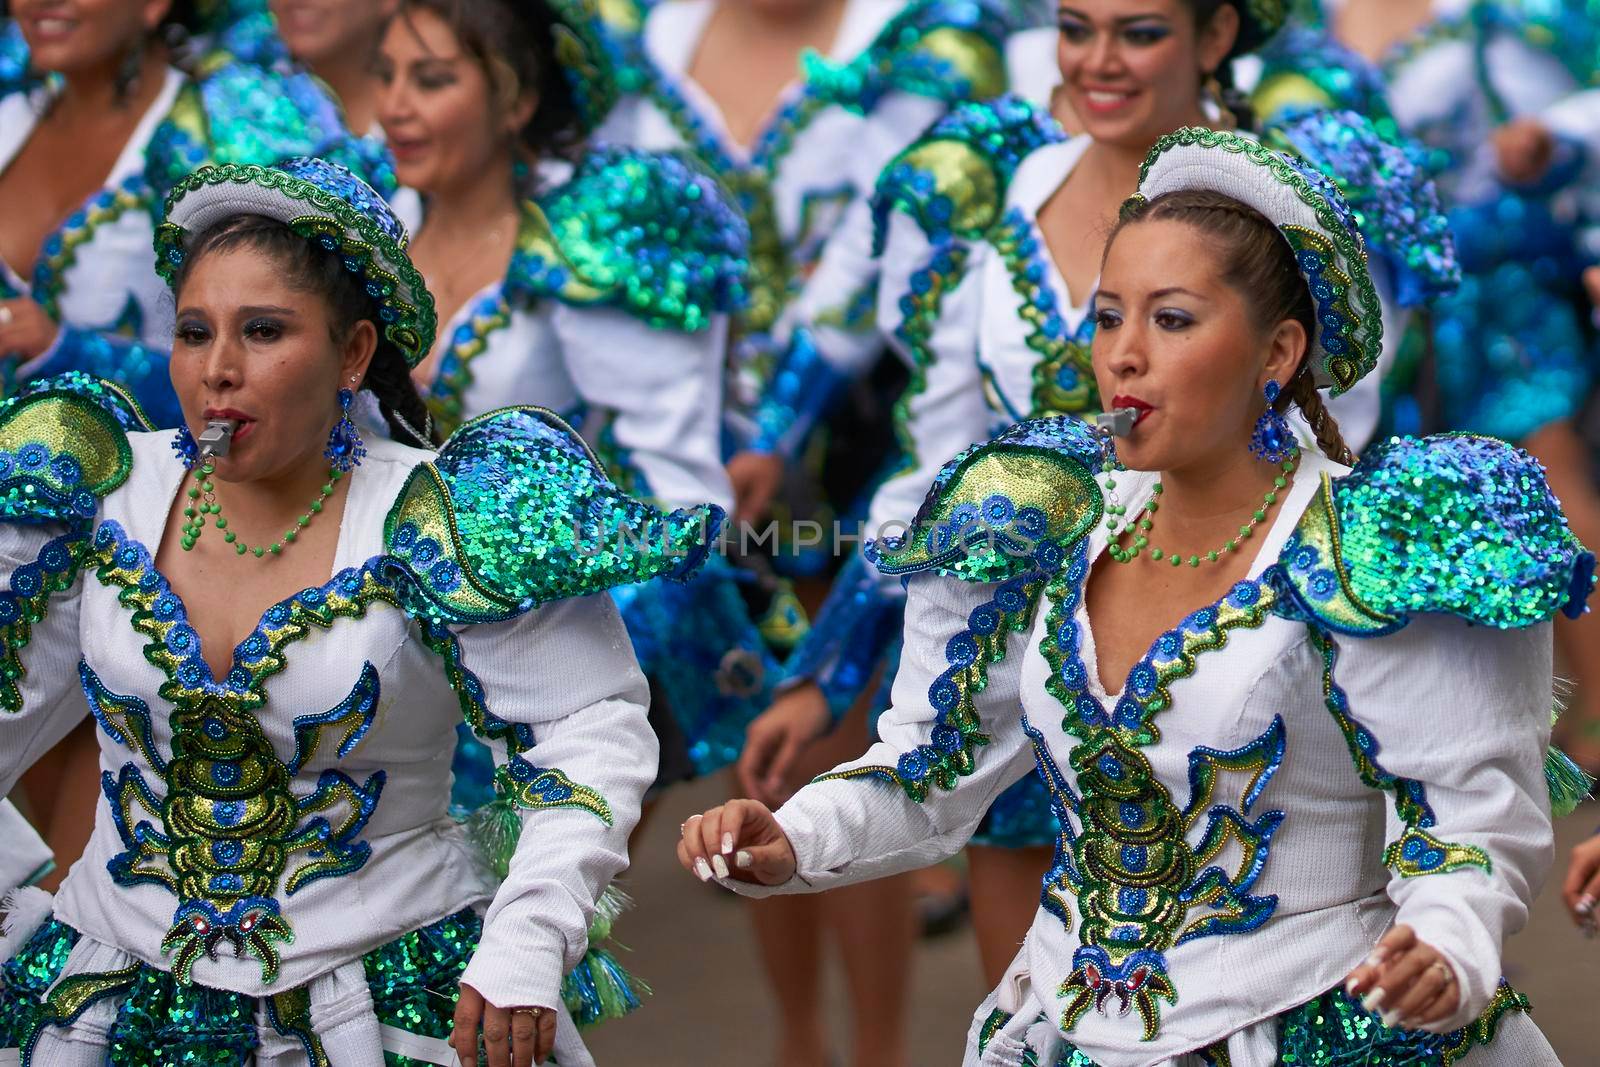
[
  {"x": 517, "y": 511},
  {"x": 1456, "y": 524},
  {"x": 649, "y": 232}
]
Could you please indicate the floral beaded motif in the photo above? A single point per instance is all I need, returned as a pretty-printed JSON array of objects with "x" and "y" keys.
[{"x": 1130, "y": 867}]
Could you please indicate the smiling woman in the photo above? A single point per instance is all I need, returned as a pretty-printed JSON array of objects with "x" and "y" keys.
[{"x": 276, "y": 845}]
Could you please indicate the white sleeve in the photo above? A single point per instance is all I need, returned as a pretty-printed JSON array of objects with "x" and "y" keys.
[
  {"x": 566, "y": 674},
  {"x": 24, "y": 857},
  {"x": 859, "y": 821},
  {"x": 664, "y": 388},
  {"x": 42, "y": 643},
  {"x": 1577, "y": 117},
  {"x": 1461, "y": 719}
]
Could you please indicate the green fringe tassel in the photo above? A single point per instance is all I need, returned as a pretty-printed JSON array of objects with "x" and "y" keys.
[
  {"x": 1569, "y": 783},
  {"x": 600, "y": 988},
  {"x": 493, "y": 831}
]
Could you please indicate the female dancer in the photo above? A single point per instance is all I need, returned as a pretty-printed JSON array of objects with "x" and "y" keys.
[
  {"x": 801, "y": 154},
  {"x": 94, "y": 150},
  {"x": 1276, "y": 617},
  {"x": 1002, "y": 271},
  {"x": 286, "y": 879},
  {"x": 588, "y": 280},
  {"x": 1511, "y": 358},
  {"x": 85, "y": 159}
]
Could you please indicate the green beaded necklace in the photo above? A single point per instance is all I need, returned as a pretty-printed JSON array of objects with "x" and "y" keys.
[
  {"x": 1116, "y": 517},
  {"x": 203, "y": 502}
]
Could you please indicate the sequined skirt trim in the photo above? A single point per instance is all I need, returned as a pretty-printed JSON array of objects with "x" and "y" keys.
[{"x": 413, "y": 981}]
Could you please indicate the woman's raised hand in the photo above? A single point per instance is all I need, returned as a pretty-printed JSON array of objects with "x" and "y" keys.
[
  {"x": 740, "y": 841},
  {"x": 1407, "y": 981}
]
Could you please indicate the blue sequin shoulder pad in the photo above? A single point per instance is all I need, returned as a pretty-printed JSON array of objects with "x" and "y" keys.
[
  {"x": 15, "y": 77},
  {"x": 645, "y": 231},
  {"x": 953, "y": 179},
  {"x": 949, "y": 50},
  {"x": 1016, "y": 505},
  {"x": 1453, "y": 524},
  {"x": 63, "y": 447},
  {"x": 516, "y": 511},
  {"x": 237, "y": 112}
]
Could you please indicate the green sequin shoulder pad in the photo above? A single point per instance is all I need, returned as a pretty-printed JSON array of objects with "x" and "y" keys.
[
  {"x": 953, "y": 179},
  {"x": 1453, "y": 524},
  {"x": 515, "y": 512},
  {"x": 645, "y": 231},
  {"x": 63, "y": 447},
  {"x": 949, "y": 50},
  {"x": 1014, "y": 506}
]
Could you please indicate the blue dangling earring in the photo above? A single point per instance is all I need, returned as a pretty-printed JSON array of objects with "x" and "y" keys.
[
  {"x": 1272, "y": 439},
  {"x": 184, "y": 445},
  {"x": 345, "y": 449}
]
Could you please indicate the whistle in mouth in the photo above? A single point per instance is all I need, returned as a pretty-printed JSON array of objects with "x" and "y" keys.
[
  {"x": 1116, "y": 423},
  {"x": 216, "y": 437}
]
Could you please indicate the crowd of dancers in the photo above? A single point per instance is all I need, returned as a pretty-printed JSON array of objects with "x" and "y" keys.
[{"x": 1137, "y": 442}]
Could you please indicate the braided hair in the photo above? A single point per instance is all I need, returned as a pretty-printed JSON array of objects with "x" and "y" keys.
[
  {"x": 308, "y": 267},
  {"x": 1259, "y": 263}
]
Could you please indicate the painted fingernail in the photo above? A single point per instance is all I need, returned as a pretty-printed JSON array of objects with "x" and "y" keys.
[
  {"x": 1585, "y": 904},
  {"x": 719, "y": 865},
  {"x": 1389, "y": 1018},
  {"x": 702, "y": 869},
  {"x": 1350, "y": 986},
  {"x": 744, "y": 861},
  {"x": 1372, "y": 1001},
  {"x": 727, "y": 843}
]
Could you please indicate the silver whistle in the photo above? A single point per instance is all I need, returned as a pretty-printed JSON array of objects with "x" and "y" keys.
[
  {"x": 216, "y": 437},
  {"x": 1116, "y": 423}
]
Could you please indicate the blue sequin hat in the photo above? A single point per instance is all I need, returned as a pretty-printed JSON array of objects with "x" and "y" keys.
[
  {"x": 1390, "y": 191},
  {"x": 1312, "y": 216},
  {"x": 585, "y": 60},
  {"x": 322, "y": 202}
]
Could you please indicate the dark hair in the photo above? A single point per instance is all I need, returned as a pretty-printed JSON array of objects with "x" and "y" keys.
[
  {"x": 310, "y": 268},
  {"x": 514, "y": 42},
  {"x": 1234, "y": 103},
  {"x": 1258, "y": 263}
]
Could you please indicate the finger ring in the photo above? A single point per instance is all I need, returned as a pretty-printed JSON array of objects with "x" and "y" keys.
[
  {"x": 535, "y": 1012},
  {"x": 1445, "y": 971}
]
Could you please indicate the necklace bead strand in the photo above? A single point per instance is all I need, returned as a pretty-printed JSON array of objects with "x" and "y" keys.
[
  {"x": 1118, "y": 527},
  {"x": 203, "y": 502}
]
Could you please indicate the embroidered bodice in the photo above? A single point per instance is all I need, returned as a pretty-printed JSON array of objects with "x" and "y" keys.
[
  {"x": 262, "y": 828},
  {"x": 1265, "y": 792}
]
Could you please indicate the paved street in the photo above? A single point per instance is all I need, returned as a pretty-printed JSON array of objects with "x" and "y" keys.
[{"x": 692, "y": 944}]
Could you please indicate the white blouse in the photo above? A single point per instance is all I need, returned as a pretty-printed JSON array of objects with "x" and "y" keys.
[
  {"x": 358, "y": 720},
  {"x": 1247, "y": 752}
]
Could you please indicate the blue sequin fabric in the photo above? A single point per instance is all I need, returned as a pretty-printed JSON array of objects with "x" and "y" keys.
[
  {"x": 1388, "y": 188},
  {"x": 646, "y": 231},
  {"x": 516, "y": 511},
  {"x": 1458, "y": 525},
  {"x": 1329, "y": 75}
]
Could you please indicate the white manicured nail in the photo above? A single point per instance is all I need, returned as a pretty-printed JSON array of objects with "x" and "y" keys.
[
  {"x": 727, "y": 844},
  {"x": 1390, "y": 1018},
  {"x": 702, "y": 869},
  {"x": 1350, "y": 986},
  {"x": 744, "y": 861},
  {"x": 1372, "y": 1001},
  {"x": 719, "y": 865}
]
